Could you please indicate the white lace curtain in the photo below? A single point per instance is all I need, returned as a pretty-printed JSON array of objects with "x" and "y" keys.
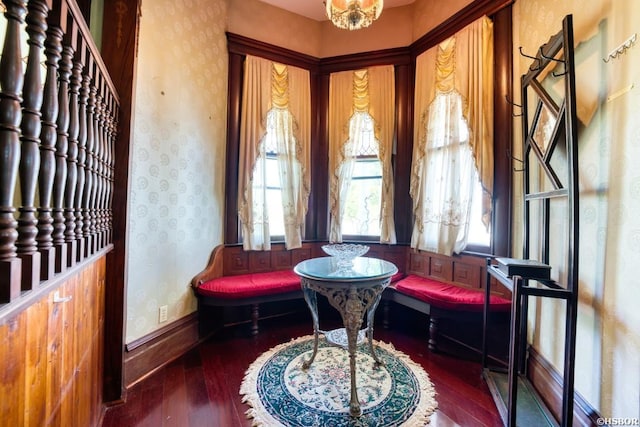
[
  {"x": 453, "y": 137},
  {"x": 277, "y": 96},
  {"x": 369, "y": 90}
]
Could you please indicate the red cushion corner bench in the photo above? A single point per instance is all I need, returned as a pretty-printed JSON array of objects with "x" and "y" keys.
[
  {"x": 437, "y": 298},
  {"x": 234, "y": 277}
]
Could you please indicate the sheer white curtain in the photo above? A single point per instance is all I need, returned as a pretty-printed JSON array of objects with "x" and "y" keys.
[
  {"x": 353, "y": 94},
  {"x": 453, "y": 137},
  {"x": 382, "y": 108},
  {"x": 276, "y": 99}
]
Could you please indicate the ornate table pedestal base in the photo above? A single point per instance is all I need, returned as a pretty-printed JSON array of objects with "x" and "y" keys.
[{"x": 352, "y": 299}]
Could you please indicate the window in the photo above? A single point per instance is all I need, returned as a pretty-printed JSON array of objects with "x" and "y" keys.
[
  {"x": 362, "y": 208},
  {"x": 272, "y": 181},
  {"x": 449, "y": 179},
  {"x": 451, "y": 144},
  {"x": 273, "y": 171},
  {"x": 452, "y": 169},
  {"x": 361, "y": 136}
]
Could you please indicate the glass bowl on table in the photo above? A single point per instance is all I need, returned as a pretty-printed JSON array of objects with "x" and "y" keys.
[{"x": 345, "y": 253}]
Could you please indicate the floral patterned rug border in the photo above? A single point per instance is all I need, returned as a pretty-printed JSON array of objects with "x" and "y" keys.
[{"x": 280, "y": 393}]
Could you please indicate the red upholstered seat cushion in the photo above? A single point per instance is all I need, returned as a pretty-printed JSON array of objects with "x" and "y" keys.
[
  {"x": 447, "y": 296},
  {"x": 251, "y": 285}
]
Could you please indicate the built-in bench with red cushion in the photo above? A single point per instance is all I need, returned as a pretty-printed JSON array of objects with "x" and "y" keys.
[
  {"x": 234, "y": 277},
  {"x": 447, "y": 296},
  {"x": 437, "y": 299}
]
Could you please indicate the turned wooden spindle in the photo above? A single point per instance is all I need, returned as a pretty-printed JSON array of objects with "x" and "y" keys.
[
  {"x": 105, "y": 165},
  {"x": 113, "y": 128},
  {"x": 62, "y": 147},
  {"x": 88, "y": 146},
  {"x": 82, "y": 143},
  {"x": 95, "y": 164},
  {"x": 11, "y": 79},
  {"x": 98, "y": 160},
  {"x": 26, "y": 244},
  {"x": 89, "y": 187},
  {"x": 72, "y": 154},
  {"x": 48, "y": 137}
]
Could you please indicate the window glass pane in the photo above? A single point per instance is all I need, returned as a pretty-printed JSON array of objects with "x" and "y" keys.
[
  {"x": 362, "y": 206},
  {"x": 478, "y": 233},
  {"x": 272, "y": 177},
  {"x": 362, "y": 210},
  {"x": 367, "y": 168},
  {"x": 276, "y": 218},
  {"x": 272, "y": 174}
]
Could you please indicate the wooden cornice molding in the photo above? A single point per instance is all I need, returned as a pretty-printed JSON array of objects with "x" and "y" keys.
[
  {"x": 240, "y": 45},
  {"x": 458, "y": 21},
  {"x": 395, "y": 56}
]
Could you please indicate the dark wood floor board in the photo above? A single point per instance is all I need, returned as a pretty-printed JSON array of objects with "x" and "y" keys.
[
  {"x": 197, "y": 395},
  {"x": 175, "y": 405},
  {"x": 222, "y": 381},
  {"x": 201, "y": 388}
]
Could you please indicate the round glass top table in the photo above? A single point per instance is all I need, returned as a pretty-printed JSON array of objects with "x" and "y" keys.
[{"x": 355, "y": 291}]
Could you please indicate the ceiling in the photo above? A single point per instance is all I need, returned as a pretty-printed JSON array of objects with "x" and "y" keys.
[{"x": 315, "y": 9}]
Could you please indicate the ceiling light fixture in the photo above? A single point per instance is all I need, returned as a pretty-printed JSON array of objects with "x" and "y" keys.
[{"x": 353, "y": 14}]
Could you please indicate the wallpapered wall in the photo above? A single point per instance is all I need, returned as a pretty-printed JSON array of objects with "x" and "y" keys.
[
  {"x": 608, "y": 339},
  {"x": 177, "y": 157}
]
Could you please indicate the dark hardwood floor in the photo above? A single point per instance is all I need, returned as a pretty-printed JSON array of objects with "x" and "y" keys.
[{"x": 201, "y": 388}]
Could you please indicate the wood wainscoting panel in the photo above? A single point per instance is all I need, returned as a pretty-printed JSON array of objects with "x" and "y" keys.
[
  {"x": 51, "y": 355},
  {"x": 260, "y": 261},
  {"x": 441, "y": 267},
  {"x": 301, "y": 254},
  {"x": 281, "y": 259},
  {"x": 418, "y": 263},
  {"x": 467, "y": 275},
  {"x": 236, "y": 261},
  {"x": 13, "y": 339},
  {"x": 151, "y": 352}
]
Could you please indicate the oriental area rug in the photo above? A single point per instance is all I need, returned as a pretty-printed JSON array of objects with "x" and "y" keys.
[{"x": 281, "y": 393}]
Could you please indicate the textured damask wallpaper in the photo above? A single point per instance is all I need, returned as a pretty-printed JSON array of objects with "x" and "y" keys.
[
  {"x": 608, "y": 101},
  {"x": 177, "y": 157}
]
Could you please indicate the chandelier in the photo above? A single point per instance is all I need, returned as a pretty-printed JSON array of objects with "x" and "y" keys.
[{"x": 353, "y": 14}]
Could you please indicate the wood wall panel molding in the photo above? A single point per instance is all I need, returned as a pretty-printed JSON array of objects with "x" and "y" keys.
[
  {"x": 234, "y": 100},
  {"x": 548, "y": 383},
  {"x": 502, "y": 120},
  {"x": 403, "y": 204},
  {"x": 151, "y": 352},
  {"x": 241, "y": 45},
  {"x": 120, "y": 59},
  {"x": 395, "y": 56}
]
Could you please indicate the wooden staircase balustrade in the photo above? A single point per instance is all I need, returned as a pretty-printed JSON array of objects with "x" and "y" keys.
[{"x": 58, "y": 127}]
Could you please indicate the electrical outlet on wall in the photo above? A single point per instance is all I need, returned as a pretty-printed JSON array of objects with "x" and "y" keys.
[{"x": 162, "y": 314}]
